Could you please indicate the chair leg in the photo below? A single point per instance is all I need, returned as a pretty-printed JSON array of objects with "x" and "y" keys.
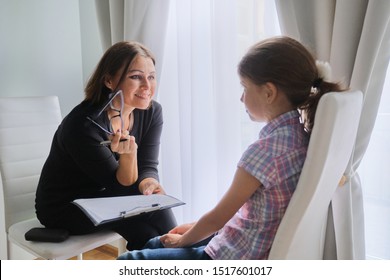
[
  {"x": 121, "y": 246},
  {"x": 80, "y": 256}
]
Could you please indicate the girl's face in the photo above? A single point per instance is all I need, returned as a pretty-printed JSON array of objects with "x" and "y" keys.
[
  {"x": 139, "y": 84},
  {"x": 254, "y": 98}
]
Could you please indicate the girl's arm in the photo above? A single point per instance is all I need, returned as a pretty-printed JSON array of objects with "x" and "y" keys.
[{"x": 241, "y": 189}]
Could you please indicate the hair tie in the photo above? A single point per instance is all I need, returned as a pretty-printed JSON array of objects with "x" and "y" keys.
[
  {"x": 317, "y": 82},
  {"x": 315, "y": 86},
  {"x": 324, "y": 71},
  {"x": 324, "y": 74}
]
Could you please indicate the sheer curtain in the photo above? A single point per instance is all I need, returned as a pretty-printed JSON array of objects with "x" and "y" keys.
[
  {"x": 200, "y": 93},
  {"x": 206, "y": 127},
  {"x": 198, "y": 89},
  {"x": 354, "y": 37},
  {"x": 144, "y": 21}
]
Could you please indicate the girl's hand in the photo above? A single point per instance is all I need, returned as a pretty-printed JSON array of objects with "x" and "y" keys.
[
  {"x": 150, "y": 186},
  {"x": 171, "y": 240},
  {"x": 181, "y": 229}
]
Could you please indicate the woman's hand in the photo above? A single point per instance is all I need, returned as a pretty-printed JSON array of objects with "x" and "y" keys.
[
  {"x": 124, "y": 144},
  {"x": 150, "y": 186}
]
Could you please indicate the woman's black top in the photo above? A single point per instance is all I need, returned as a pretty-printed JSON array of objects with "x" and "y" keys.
[{"x": 78, "y": 166}]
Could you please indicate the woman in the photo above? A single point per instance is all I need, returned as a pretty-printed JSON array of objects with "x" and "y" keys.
[
  {"x": 282, "y": 86},
  {"x": 108, "y": 145}
]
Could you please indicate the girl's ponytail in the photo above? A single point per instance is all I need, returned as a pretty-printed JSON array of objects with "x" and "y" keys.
[{"x": 321, "y": 85}]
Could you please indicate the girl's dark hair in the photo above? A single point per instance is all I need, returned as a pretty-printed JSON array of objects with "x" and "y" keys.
[
  {"x": 117, "y": 57},
  {"x": 286, "y": 63}
]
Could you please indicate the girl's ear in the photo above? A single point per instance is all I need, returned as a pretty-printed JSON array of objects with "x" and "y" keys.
[{"x": 271, "y": 92}]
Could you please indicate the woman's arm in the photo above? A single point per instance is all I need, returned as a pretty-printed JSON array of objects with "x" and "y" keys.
[
  {"x": 241, "y": 189},
  {"x": 127, "y": 172}
]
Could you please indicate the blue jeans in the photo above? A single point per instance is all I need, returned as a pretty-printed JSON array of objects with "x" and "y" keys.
[{"x": 155, "y": 250}]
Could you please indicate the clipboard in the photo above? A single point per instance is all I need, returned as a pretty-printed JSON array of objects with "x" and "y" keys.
[{"x": 107, "y": 209}]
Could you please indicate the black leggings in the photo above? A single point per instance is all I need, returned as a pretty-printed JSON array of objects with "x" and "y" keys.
[{"x": 136, "y": 230}]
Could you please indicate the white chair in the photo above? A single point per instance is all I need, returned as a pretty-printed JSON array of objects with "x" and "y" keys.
[
  {"x": 27, "y": 126},
  {"x": 301, "y": 234}
]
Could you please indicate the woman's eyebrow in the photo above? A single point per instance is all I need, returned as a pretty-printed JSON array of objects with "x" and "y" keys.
[{"x": 137, "y": 70}]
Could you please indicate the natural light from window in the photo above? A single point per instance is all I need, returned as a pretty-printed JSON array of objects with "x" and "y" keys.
[
  {"x": 257, "y": 21},
  {"x": 373, "y": 171}
]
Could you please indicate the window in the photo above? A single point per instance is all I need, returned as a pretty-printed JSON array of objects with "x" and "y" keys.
[
  {"x": 375, "y": 178},
  {"x": 254, "y": 25},
  {"x": 257, "y": 20}
]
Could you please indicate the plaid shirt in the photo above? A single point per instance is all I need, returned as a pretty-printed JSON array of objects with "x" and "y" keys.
[{"x": 276, "y": 160}]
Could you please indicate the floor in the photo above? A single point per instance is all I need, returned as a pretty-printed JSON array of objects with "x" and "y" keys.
[{"x": 105, "y": 252}]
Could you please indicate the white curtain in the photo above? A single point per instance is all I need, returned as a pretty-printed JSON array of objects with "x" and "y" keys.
[
  {"x": 195, "y": 46},
  {"x": 354, "y": 36},
  {"x": 143, "y": 21},
  {"x": 201, "y": 141}
]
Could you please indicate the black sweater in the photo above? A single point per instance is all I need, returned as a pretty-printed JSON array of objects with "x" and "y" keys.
[{"x": 79, "y": 167}]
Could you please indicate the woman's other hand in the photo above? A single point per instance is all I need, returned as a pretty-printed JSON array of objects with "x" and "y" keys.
[{"x": 150, "y": 186}]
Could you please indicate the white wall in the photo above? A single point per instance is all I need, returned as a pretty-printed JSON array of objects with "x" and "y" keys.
[
  {"x": 47, "y": 49},
  {"x": 91, "y": 47}
]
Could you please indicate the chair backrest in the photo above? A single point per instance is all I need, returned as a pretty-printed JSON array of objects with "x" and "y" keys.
[
  {"x": 301, "y": 233},
  {"x": 27, "y": 126}
]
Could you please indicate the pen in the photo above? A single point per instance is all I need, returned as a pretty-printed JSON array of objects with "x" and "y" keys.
[{"x": 108, "y": 142}]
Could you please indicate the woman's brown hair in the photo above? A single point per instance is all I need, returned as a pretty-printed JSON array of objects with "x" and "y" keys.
[
  {"x": 117, "y": 57},
  {"x": 286, "y": 63}
]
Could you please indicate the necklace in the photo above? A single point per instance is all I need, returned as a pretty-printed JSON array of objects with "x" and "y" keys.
[{"x": 116, "y": 121}]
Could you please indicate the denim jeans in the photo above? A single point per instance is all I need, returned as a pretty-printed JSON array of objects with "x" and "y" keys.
[{"x": 154, "y": 250}]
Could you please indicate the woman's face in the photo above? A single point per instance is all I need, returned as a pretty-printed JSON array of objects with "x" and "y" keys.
[
  {"x": 139, "y": 84},
  {"x": 254, "y": 98}
]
